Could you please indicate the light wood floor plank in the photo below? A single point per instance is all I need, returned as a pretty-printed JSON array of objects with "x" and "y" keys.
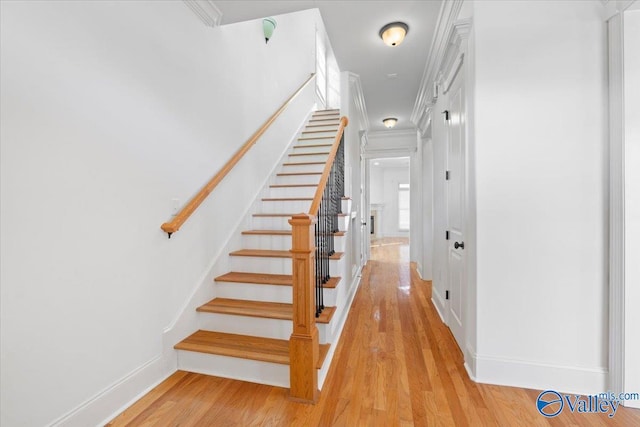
[{"x": 396, "y": 365}]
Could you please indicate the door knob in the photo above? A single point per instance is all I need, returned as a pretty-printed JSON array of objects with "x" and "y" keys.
[{"x": 458, "y": 245}]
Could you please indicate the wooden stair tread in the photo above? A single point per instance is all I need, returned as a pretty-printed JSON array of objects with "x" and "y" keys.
[
  {"x": 312, "y": 145},
  {"x": 234, "y": 345},
  {"x": 292, "y": 185},
  {"x": 268, "y": 279},
  {"x": 271, "y": 253},
  {"x": 265, "y": 253},
  {"x": 256, "y": 278},
  {"x": 309, "y": 154},
  {"x": 286, "y": 199},
  {"x": 279, "y": 232},
  {"x": 317, "y": 131},
  {"x": 262, "y": 309},
  {"x": 269, "y": 310},
  {"x": 243, "y": 346},
  {"x": 267, "y": 232},
  {"x": 298, "y": 173},
  {"x": 302, "y": 163}
]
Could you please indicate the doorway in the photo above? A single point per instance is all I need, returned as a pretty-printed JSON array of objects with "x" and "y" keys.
[{"x": 389, "y": 202}]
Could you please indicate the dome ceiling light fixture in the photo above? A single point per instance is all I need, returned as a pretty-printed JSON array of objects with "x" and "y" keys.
[
  {"x": 393, "y": 34},
  {"x": 390, "y": 122}
]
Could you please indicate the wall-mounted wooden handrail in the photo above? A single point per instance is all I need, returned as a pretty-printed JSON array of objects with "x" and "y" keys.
[
  {"x": 315, "y": 205},
  {"x": 177, "y": 221}
]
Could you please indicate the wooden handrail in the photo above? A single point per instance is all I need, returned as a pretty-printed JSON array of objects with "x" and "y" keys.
[
  {"x": 315, "y": 205},
  {"x": 184, "y": 214}
]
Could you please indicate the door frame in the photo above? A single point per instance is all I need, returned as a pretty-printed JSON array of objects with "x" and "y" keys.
[{"x": 618, "y": 234}]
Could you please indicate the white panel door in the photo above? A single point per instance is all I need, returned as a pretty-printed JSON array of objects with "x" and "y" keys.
[{"x": 455, "y": 210}]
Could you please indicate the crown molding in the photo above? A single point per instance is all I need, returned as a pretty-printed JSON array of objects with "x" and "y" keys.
[
  {"x": 358, "y": 99},
  {"x": 449, "y": 11},
  {"x": 206, "y": 10}
]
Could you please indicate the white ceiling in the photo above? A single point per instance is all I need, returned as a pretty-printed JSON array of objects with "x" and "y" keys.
[{"x": 353, "y": 28}]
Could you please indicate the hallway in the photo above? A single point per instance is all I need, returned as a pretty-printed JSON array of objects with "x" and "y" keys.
[{"x": 396, "y": 365}]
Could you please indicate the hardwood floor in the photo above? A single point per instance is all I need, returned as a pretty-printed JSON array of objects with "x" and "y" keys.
[{"x": 396, "y": 365}]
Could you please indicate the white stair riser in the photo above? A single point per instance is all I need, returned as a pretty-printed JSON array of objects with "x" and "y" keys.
[
  {"x": 301, "y": 168},
  {"x": 257, "y": 326},
  {"x": 329, "y": 126},
  {"x": 236, "y": 368},
  {"x": 297, "y": 179},
  {"x": 281, "y": 223},
  {"x": 282, "y": 243},
  {"x": 270, "y": 265},
  {"x": 343, "y": 223},
  {"x": 266, "y": 293},
  {"x": 270, "y": 223},
  {"x": 279, "y": 192},
  {"x": 309, "y": 148},
  {"x": 317, "y": 133},
  {"x": 246, "y": 325},
  {"x": 310, "y": 157},
  {"x": 326, "y": 115},
  {"x": 313, "y": 140},
  {"x": 255, "y": 292},
  {"x": 346, "y": 206},
  {"x": 278, "y": 206}
]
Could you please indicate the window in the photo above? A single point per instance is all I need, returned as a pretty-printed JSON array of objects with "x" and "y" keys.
[{"x": 403, "y": 207}]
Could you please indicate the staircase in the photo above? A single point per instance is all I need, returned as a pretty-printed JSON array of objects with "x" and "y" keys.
[{"x": 244, "y": 331}]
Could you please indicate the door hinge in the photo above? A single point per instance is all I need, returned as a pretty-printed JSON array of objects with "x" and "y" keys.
[
  {"x": 446, "y": 115},
  {"x": 446, "y": 295},
  {"x": 446, "y": 175},
  {"x": 446, "y": 235}
]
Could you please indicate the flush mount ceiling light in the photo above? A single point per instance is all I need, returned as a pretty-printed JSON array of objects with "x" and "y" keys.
[
  {"x": 392, "y": 34},
  {"x": 390, "y": 122}
]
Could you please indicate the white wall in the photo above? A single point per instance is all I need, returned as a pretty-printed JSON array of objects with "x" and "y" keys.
[
  {"x": 632, "y": 199},
  {"x": 109, "y": 111},
  {"x": 540, "y": 147}
]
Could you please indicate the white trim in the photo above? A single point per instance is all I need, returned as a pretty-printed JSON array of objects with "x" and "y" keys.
[
  {"x": 206, "y": 10},
  {"x": 438, "y": 303},
  {"x": 449, "y": 12},
  {"x": 114, "y": 399},
  {"x": 358, "y": 100},
  {"x": 616, "y": 206},
  {"x": 453, "y": 73},
  {"x": 384, "y": 153},
  {"x": 539, "y": 376}
]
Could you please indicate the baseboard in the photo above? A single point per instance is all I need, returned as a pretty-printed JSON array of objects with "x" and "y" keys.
[
  {"x": 111, "y": 401},
  {"x": 539, "y": 376},
  {"x": 438, "y": 303}
]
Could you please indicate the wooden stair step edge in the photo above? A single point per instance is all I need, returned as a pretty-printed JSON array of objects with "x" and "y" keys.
[
  {"x": 280, "y": 233},
  {"x": 309, "y": 154},
  {"x": 298, "y": 173},
  {"x": 268, "y": 279},
  {"x": 261, "y": 309},
  {"x": 292, "y": 185},
  {"x": 312, "y": 145},
  {"x": 243, "y": 346},
  {"x": 256, "y": 278},
  {"x": 270, "y": 253},
  {"x": 286, "y": 199}
]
